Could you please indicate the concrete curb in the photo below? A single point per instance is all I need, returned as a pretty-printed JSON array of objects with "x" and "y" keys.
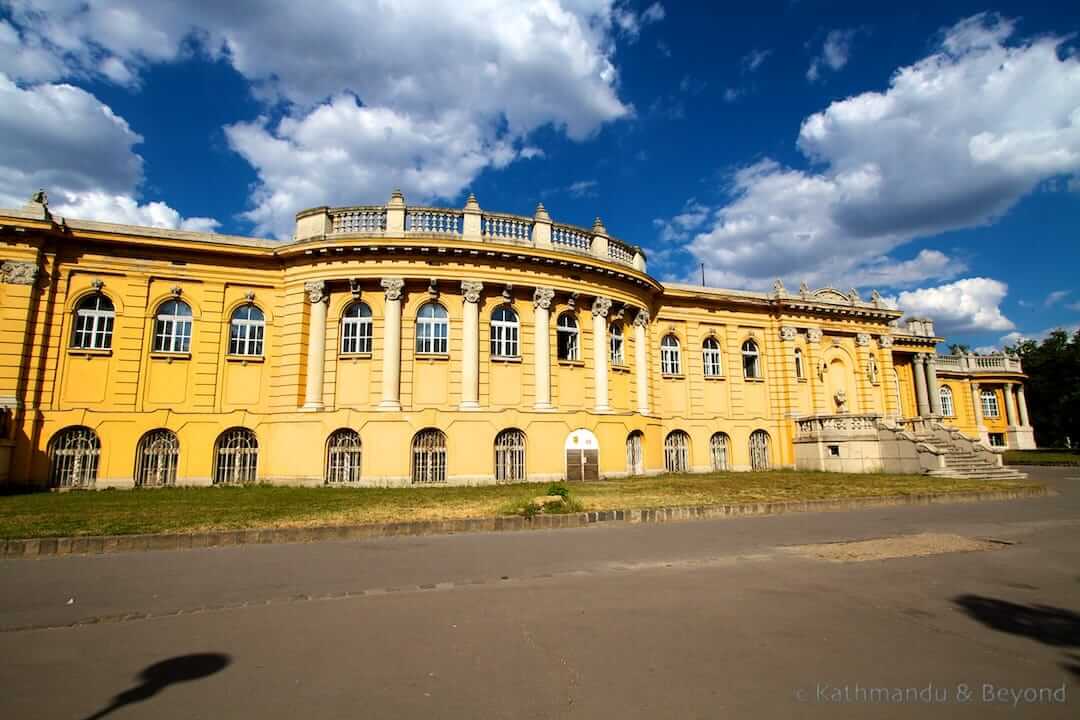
[{"x": 98, "y": 544}]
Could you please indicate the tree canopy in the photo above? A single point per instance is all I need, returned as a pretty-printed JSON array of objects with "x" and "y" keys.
[{"x": 1053, "y": 387}]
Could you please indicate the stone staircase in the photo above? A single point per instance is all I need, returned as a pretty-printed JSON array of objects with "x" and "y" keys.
[{"x": 959, "y": 456}]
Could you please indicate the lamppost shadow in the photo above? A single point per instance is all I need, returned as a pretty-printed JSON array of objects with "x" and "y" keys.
[{"x": 155, "y": 678}]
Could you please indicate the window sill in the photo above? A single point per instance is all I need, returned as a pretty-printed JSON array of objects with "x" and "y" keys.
[
  {"x": 506, "y": 359},
  {"x": 169, "y": 356},
  {"x": 801, "y": 379},
  {"x": 714, "y": 378},
  {"x": 673, "y": 376},
  {"x": 620, "y": 368},
  {"x": 245, "y": 359},
  {"x": 90, "y": 352},
  {"x": 354, "y": 356},
  {"x": 572, "y": 363},
  {"x": 754, "y": 380},
  {"x": 432, "y": 356}
]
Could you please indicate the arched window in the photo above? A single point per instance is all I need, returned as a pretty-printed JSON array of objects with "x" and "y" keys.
[
  {"x": 432, "y": 330},
  {"x": 617, "y": 355},
  {"x": 343, "y": 454},
  {"x": 759, "y": 450},
  {"x": 356, "y": 329},
  {"x": 172, "y": 331},
  {"x": 246, "y": 331},
  {"x": 94, "y": 318},
  {"x": 429, "y": 456},
  {"x": 711, "y": 358},
  {"x": 718, "y": 449},
  {"x": 751, "y": 360},
  {"x": 504, "y": 332},
  {"x": 670, "y": 356},
  {"x": 635, "y": 453},
  {"x": 236, "y": 457},
  {"x": 947, "y": 402},
  {"x": 800, "y": 369},
  {"x": 566, "y": 336},
  {"x": 73, "y": 458},
  {"x": 677, "y": 452},
  {"x": 989, "y": 404},
  {"x": 510, "y": 456},
  {"x": 156, "y": 459}
]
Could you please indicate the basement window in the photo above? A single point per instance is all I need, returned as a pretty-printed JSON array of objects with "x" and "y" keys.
[{"x": 834, "y": 451}]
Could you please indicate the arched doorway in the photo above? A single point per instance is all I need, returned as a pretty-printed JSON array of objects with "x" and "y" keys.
[{"x": 582, "y": 455}]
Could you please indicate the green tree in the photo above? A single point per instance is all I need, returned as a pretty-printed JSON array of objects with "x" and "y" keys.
[{"x": 1053, "y": 386}]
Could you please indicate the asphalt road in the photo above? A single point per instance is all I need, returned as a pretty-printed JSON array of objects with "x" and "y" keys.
[{"x": 705, "y": 619}]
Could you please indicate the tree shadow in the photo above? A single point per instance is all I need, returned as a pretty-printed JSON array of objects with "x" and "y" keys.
[
  {"x": 157, "y": 677},
  {"x": 1043, "y": 623}
]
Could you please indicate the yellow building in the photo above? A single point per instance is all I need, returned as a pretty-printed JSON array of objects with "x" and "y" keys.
[{"x": 391, "y": 345}]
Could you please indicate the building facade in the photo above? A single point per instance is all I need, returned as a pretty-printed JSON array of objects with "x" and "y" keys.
[{"x": 392, "y": 345}]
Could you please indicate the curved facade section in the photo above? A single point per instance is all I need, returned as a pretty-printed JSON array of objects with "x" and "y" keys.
[{"x": 441, "y": 346}]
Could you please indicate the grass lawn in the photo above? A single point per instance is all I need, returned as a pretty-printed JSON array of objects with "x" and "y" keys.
[
  {"x": 178, "y": 510},
  {"x": 1042, "y": 457}
]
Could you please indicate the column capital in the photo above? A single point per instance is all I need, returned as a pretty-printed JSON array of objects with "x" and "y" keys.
[
  {"x": 601, "y": 306},
  {"x": 392, "y": 287},
  {"x": 931, "y": 359},
  {"x": 884, "y": 341},
  {"x": 918, "y": 358},
  {"x": 862, "y": 339},
  {"x": 542, "y": 297},
  {"x": 316, "y": 291},
  {"x": 813, "y": 335},
  {"x": 472, "y": 289},
  {"x": 642, "y": 318},
  {"x": 788, "y": 333},
  {"x": 975, "y": 386}
]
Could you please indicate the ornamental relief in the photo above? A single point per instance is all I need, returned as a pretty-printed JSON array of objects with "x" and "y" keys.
[{"x": 18, "y": 273}]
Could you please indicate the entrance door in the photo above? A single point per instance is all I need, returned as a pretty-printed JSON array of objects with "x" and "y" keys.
[{"x": 582, "y": 456}]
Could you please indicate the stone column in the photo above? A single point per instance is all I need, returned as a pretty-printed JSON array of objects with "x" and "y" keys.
[
  {"x": 391, "y": 361},
  {"x": 641, "y": 360},
  {"x": 1010, "y": 405},
  {"x": 600, "y": 308},
  {"x": 470, "y": 336},
  {"x": 1022, "y": 404},
  {"x": 316, "y": 349},
  {"x": 542, "y": 298},
  {"x": 917, "y": 369},
  {"x": 813, "y": 369},
  {"x": 932, "y": 387},
  {"x": 976, "y": 396}
]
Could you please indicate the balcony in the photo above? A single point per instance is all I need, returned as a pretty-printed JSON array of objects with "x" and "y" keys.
[
  {"x": 396, "y": 219},
  {"x": 997, "y": 363}
]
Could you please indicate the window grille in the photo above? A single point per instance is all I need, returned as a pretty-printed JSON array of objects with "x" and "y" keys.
[
  {"x": 236, "y": 457},
  {"x": 343, "y": 455},
  {"x": 432, "y": 330},
  {"x": 759, "y": 450},
  {"x": 510, "y": 456},
  {"x": 567, "y": 337},
  {"x": 670, "y": 356},
  {"x": 94, "y": 318},
  {"x": 989, "y": 404},
  {"x": 718, "y": 448},
  {"x": 635, "y": 453},
  {"x": 711, "y": 358},
  {"x": 751, "y": 360},
  {"x": 73, "y": 458},
  {"x": 158, "y": 456},
  {"x": 429, "y": 457},
  {"x": 618, "y": 357},
  {"x": 246, "y": 331},
  {"x": 504, "y": 333},
  {"x": 947, "y": 401},
  {"x": 356, "y": 329},
  {"x": 172, "y": 332},
  {"x": 677, "y": 452}
]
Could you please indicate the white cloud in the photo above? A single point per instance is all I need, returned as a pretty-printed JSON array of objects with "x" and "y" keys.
[
  {"x": 971, "y": 305},
  {"x": 582, "y": 188},
  {"x": 755, "y": 59},
  {"x": 1055, "y": 297},
  {"x": 63, "y": 139},
  {"x": 835, "y": 53},
  {"x": 1074, "y": 306},
  {"x": 422, "y": 96},
  {"x": 1016, "y": 337},
  {"x": 911, "y": 161},
  {"x": 678, "y": 228}
]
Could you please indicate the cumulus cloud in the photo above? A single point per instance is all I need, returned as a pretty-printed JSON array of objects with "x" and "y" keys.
[
  {"x": 834, "y": 55},
  {"x": 64, "y": 139},
  {"x": 1055, "y": 297},
  {"x": 421, "y": 96},
  {"x": 910, "y": 161},
  {"x": 972, "y": 304}
]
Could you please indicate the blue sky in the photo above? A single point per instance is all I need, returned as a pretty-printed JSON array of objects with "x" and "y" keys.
[{"x": 930, "y": 151}]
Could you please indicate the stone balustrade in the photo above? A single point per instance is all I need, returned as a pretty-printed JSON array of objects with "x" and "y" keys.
[
  {"x": 471, "y": 223},
  {"x": 979, "y": 363}
]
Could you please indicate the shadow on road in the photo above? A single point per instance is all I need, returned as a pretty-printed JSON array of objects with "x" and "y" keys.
[{"x": 160, "y": 675}]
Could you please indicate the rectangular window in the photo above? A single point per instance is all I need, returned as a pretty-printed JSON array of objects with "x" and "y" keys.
[
  {"x": 997, "y": 440},
  {"x": 504, "y": 340},
  {"x": 990, "y": 404},
  {"x": 173, "y": 336},
  {"x": 568, "y": 344}
]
